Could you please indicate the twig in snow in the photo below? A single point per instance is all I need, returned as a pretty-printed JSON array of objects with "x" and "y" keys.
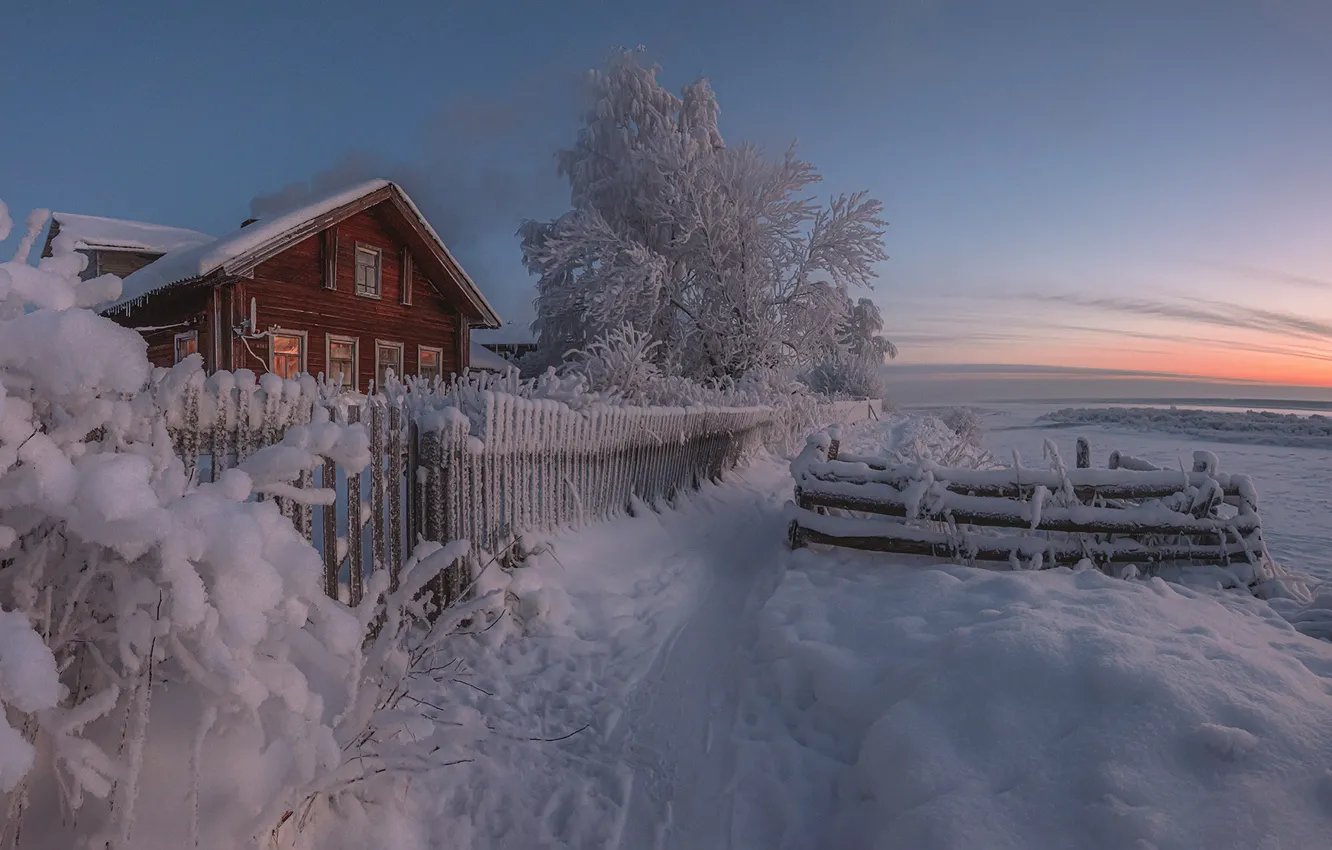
[{"x": 473, "y": 687}]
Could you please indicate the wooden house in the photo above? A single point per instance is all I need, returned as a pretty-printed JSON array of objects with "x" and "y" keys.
[{"x": 350, "y": 285}]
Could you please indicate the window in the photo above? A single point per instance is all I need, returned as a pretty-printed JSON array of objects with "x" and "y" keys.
[
  {"x": 388, "y": 355},
  {"x": 342, "y": 357},
  {"x": 367, "y": 271},
  {"x": 429, "y": 362},
  {"x": 186, "y": 344},
  {"x": 286, "y": 354}
]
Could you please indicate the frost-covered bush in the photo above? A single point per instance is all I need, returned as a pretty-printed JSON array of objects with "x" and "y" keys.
[
  {"x": 139, "y": 609},
  {"x": 965, "y": 422},
  {"x": 619, "y": 364},
  {"x": 847, "y": 376}
]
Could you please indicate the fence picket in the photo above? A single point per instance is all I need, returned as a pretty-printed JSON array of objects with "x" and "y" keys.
[
  {"x": 394, "y": 483},
  {"x": 377, "y": 477},
  {"x": 355, "y": 577}
]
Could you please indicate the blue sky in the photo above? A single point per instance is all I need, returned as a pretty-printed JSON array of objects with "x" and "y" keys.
[{"x": 1130, "y": 185}]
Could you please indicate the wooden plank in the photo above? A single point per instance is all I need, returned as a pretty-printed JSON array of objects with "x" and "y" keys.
[
  {"x": 1052, "y": 518},
  {"x": 395, "y": 485},
  {"x": 1002, "y": 549},
  {"x": 415, "y": 518},
  {"x": 1004, "y": 483},
  {"x": 355, "y": 583},
  {"x": 305, "y": 512},
  {"x": 377, "y": 484},
  {"x": 330, "y": 516}
]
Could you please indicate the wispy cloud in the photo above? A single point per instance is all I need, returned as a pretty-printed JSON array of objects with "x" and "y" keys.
[
  {"x": 1223, "y": 314},
  {"x": 1027, "y": 370},
  {"x": 1268, "y": 275}
]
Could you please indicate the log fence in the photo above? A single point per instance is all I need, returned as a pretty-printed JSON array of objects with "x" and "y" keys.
[{"x": 1132, "y": 512}]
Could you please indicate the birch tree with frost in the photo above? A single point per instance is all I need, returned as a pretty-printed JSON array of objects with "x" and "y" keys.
[{"x": 711, "y": 251}]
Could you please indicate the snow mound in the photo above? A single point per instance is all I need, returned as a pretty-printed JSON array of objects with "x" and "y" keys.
[
  {"x": 1253, "y": 427},
  {"x": 959, "y": 708},
  {"x": 908, "y": 439}
]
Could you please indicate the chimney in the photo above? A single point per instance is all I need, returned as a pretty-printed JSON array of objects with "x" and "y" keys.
[{"x": 248, "y": 222}]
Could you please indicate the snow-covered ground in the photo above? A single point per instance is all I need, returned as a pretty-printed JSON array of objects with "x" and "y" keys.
[{"x": 710, "y": 689}]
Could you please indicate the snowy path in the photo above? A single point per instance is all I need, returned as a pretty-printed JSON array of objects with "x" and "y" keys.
[{"x": 676, "y": 732}]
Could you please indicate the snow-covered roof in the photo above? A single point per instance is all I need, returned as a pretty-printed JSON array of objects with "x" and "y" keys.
[
  {"x": 232, "y": 252},
  {"x": 481, "y": 357},
  {"x": 91, "y": 232},
  {"x": 199, "y": 260}
]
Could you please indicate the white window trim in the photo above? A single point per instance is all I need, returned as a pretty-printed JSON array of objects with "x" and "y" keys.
[
  {"x": 175, "y": 343},
  {"x": 379, "y": 270},
  {"x": 305, "y": 347},
  {"x": 355, "y": 341},
  {"x": 439, "y": 352},
  {"x": 401, "y": 354}
]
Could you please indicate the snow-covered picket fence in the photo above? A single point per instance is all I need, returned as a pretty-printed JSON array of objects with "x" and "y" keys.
[
  {"x": 1128, "y": 515},
  {"x": 458, "y": 462},
  {"x": 535, "y": 464}
]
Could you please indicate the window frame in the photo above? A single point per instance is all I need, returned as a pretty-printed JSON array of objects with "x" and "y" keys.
[
  {"x": 438, "y": 352},
  {"x": 184, "y": 335},
  {"x": 303, "y": 362},
  {"x": 379, "y": 270},
  {"x": 402, "y": 354},
  {"x": 355, "y": 381}
]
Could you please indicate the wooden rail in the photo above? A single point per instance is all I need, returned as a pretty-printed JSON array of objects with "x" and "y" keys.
[{"x": 1135, "y": 515}]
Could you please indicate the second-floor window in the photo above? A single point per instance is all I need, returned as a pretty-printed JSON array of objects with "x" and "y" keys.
[{"x": 368, "y": 266}]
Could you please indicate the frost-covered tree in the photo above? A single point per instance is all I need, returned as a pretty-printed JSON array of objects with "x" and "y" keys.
[{"x": 712, "y": 251}]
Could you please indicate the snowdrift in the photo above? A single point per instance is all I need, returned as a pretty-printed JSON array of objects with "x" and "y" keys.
[{"x": 960, "y": 708}]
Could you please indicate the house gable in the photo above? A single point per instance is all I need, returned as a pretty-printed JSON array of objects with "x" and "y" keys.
[{"x": 290, "y": 296}]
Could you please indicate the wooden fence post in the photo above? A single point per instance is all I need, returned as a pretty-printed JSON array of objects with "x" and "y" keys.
[
  {"x": 332, "y": 564},
  {"x": 377, "y": 483},
  {"x": 355, "y": 578},
  {"x": 415, "y": 518},
  {"x": 431, "y": 457},
  {"x": 394, "y": 481}
]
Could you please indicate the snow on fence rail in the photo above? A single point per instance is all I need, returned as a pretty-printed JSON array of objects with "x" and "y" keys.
[
  {"x": 1122, "y": 515},
  {"x": 437, "y": 473}
]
